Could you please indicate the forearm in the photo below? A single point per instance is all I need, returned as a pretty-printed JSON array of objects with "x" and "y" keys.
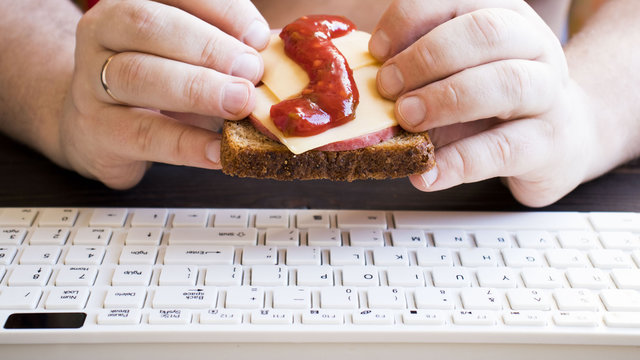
[
  {"x": 603, "y": 60},
  {"x": 35, "y": 70}
]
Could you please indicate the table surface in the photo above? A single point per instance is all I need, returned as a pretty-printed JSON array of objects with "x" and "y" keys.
[{"x": 30, "y": 180}]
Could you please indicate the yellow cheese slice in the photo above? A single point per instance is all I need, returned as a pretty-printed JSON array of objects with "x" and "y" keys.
[
  {"x": 374, "y": 113},
  {"x": 285, "y": 78}
]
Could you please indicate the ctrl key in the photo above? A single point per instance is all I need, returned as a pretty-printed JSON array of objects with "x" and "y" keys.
[{"x": 119, "y": 317}]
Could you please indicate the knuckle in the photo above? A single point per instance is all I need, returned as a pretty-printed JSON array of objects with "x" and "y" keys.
[
  {"x": 426, "y": 56},
  {"x": 501, "y": 149},
  {"x": 144, "y": 136},
  {"x": 131, "y": 74},
  {"x": 452, "y": 95},
  {"x": 210, "y": 56},
  {"x": 195, "y": 91},
  {"x": 490, "y": 26},
  {"x": 147, "y": 20},
  {"x": 517, "y": 83}
]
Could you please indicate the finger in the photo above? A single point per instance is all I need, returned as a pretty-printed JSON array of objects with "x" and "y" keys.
[
  {"x": 166, "y": 31},
  {"x": 152, "y": 82},
  {"x": 509, "y": 149},
  {"x": 405, "y": 21},
  {"x": 238, "y": 18},
  {"x": 146, "y": 135},
  {"x": 211, "y": 123},
  {"x": 472, "y": 39},
  {"x": 504, "y": 89}
]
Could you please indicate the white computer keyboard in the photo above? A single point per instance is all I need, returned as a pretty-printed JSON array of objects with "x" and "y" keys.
[{"x": 291, "y": 277}]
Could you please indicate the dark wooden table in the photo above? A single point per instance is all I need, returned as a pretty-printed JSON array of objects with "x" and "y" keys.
[{"x": 28, "y": 179}]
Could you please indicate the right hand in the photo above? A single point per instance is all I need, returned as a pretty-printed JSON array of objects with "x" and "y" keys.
[{"x": 176, "y": 66}]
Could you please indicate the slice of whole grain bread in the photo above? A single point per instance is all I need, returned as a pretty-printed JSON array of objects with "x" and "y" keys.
[{"x": 246, "y": 152}]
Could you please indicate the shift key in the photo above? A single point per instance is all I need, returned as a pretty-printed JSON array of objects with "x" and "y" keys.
[
  {"x": 210, "y": 236},
  {"x": 199, "y": 254}
]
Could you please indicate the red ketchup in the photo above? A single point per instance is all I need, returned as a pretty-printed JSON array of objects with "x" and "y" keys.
[{"x": 331, "y": 97}]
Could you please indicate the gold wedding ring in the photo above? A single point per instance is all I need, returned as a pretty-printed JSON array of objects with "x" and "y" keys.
[{"x": 103, "y": 78}]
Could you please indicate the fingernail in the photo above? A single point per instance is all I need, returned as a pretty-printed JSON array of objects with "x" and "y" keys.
[
  {"x": 235, "y": 97},
  {"x": 391, "y": 80},
  {"x": 430, "y": 176},
  {"x": 257, "y": 36},
  {"x": 247, "y": 66},
  {"x": 412, "y": 111},
  {"x": 212, "y": 152},
  {"x": 380, "y": 45}
]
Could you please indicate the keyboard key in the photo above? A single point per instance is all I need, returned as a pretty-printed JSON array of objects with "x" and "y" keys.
[
  {"x": 451, "y": 239},
  {"x": 623, "y": 240},
  {"x": 576, "y": 300},
  {"x": 528, "y": 299},
  {"x": 575, "y": 318},
  {"x": 125, "y": 297},
  {"x": 169, "y": 316},
  {"x": 622, "y": 319},
  {"x": 322, "y": 317},
  {"x": 373, "y": 317},
  {"x": 535, "y": 239},
  {"x": 184, "y": 297},
  {"x": 149, "y": 217},
  {"x": 30, "y": 275},
  {"x": 269, "y": 275},
  {"x": 49, "y": 236},
  {"x": 17, "y": 217},
  {"x": 76, "y": 275},
  {"x": 260, "y": 255},
  {"x": 119, "y": 317},
  {"x": 543, "y": 278},
  {"x": 451, "y": 277},
  {"x": 40, "y": 255},
  {"x": 474, "y": 317},
  {"x": 604, "y": 221},
  {"x": 434, "y": 298},
  {"x": 291, "y": 298},
  {"x": 313, "y": 219},
  {"x": 19, "y": 298},
  {"x": 210, "y": 236},
  {"x": 588, "y": 278},
  {"x": 223, "y": 275},
  {"x": 231, "y": 218},
  {"x": 499, "y": 277},
  {"x": 480, "y": 299},
  {"x": 432, "y": 256},
  {"x": 489, "y": 220},
  {"x": 92, "y": 236},
  {"x": 366, "y": 237},
  {"x": 567, "y": 258},
  {"x": 362, "y": 219},
  {"x": 626, "y": 278},
  {"x": 346, "y": 256},
  {"x": 244, "y": 297},
  {"x": 338, "y": 298},
  {"x": 386, "y": 298},
  {"x": 314, "y": 276},
  {"x": 477, "y": 257},
  {"x": 178, "y": 275},
  {"x": 494, "y": 239},
  {"x": 582, "y": 240},
  {"x": 303, "y": 256},
  {"x": 66, "y": 298},
  {"x": 525, "y": 318},
  {"x": 199, "y": 255},
  {"x": 390, "y": 256},
  {"x": 424, "y": 317},
  {"x": 132, "y": 275},
  {"x": 621, "y": 300},
  {"x": 410, "y": 276},
  {"x": 7, "y": 253},
  {"x": 190, "y": 218},
  {"x": 140, "y": 255},
  {"x": 610, "y": 259},
  {"x": 143, "y": 236},
  {"x": 271, "y": 317},
  {"x": 282, "y": 237},
  {"x": 108, "y": 218},
  {"x": 324, "y": 237},
  {"x": 221, "y": 316},
  {"x": 58, "y": 217},
  {"x": 12, "y": 235},
  {"x": 518, "y": 258},
  {"x": 272, "y": 219},
  {"x": 84, "y": 255},
  {"x": 408, "y": 238},
  {"x": 360, "y": 276}
]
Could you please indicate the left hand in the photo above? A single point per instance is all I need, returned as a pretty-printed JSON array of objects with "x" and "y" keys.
[{"x": 489, "y": 79}]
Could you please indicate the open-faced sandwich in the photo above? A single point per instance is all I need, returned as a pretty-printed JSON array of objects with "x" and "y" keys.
[{"x": 318, "y": 113}]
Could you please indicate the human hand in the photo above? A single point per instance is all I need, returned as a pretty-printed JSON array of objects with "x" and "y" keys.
[
  {"x": 173, "y": 66},
  {"x": 490, "y": 81}
]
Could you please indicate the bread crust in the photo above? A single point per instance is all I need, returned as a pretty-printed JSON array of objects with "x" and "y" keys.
[{"x": 245, "y": 152}]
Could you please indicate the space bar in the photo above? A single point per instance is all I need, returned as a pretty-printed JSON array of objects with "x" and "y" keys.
[{"x": 218, "y": 236}]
